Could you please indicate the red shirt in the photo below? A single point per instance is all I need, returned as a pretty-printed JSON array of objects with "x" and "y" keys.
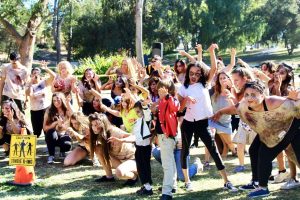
[{"x": 167, "y": 114}]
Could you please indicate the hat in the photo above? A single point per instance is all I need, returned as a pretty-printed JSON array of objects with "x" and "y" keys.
[{"x": 117, "y": 100}]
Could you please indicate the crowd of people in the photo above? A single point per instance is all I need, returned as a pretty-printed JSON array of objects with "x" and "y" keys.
[{"x": 159, "y": 111}]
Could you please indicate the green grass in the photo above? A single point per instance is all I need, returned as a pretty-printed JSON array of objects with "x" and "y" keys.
[{"x": 57, "y": 182}]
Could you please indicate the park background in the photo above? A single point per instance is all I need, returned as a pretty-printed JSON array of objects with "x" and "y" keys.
[{"x": 92, "y": 33}]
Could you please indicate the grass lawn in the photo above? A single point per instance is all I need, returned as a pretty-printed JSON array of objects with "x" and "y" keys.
[{"x": 77, "y": 182}]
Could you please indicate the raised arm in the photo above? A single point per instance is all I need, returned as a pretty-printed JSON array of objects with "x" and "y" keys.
[
  {"x": 185, "y": 54},
  {"x": 200, "y": 51},
  {"x": 229, "y": 67},
  {"x": 49, "y": 71},
  {"x": 213, "y": 61}
]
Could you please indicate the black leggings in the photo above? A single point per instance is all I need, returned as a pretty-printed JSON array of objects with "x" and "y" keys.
[
  {"x": 53, "y": 140},
  {"x": 201, "y": 129},
  {"x": 262, "y": 156},
  {"x": 142, "y": 158},
  {"x": 37, "y": 119}
]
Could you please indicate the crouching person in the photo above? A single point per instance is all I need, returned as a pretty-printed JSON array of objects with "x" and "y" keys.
[{"x": 112, "y": 154}]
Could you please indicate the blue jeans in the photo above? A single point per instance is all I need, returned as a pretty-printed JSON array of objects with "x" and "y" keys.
[{"x": 177, "y": 152}]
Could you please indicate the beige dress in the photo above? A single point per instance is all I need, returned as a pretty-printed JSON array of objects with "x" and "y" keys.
[{"x": 122, "y": 152}]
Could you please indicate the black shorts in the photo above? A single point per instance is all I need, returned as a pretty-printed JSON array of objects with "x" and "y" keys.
[
  {"x": 83, "y": 147},
  {"x": 6, "y": 139}
]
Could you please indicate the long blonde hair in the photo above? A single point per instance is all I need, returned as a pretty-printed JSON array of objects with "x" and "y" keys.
[
  {"x": 101, "y": 137},
  {"x": 68, "y": 66},
  {"x": 131, "y": 69}
]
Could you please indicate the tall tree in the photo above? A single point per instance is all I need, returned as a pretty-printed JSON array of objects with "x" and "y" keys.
[
  {"x": 139, "y": 30},
  {"x": 283, "y": 19},
  {"x": 26, "y": 40}
]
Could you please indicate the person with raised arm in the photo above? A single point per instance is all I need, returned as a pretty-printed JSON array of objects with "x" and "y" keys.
[{"x": 195, "y": 97}]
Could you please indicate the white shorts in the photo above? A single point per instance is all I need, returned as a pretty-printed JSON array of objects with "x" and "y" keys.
[{"x": 244, "y": 135}]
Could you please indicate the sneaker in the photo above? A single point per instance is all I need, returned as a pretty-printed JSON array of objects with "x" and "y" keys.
[
  {"x": 271, "y": 179},
  {"x": 250, "y": 186},
  {"x": 206, "y": 166},
  {"x": 105, "y": 179},
  {"x": 173, "y": 190},
  {"x": 188, "y": 186},
  {"x": 142, "y": 191},
  {"x": 96, "y": 162},
  {"x": 290, "y": 184},
  {"x": 166, "y": 197},
  {"x": 50, "y": 160},
  {"x": 199, "y": 165},
  {"x": 239, "y": 168},
  {"x": 282, "y": 177},
  {"x": 228, "y": 185},
  {"x": 130, "y": 182},
  {"x": 259, "y": 192}
]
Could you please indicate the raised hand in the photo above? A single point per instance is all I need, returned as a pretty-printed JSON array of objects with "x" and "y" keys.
[
  {"x": 162, "y": 92},
  {"x": 293, "y": 94},
  {"x": 44, "y": 64},
  {"x": 213, "y": 47},
  {"x": 96, "y": 78},
  {"x": 182, "y": 52},
  {"x": 199, "y": 47},
  {"x": 233, "y": 52}
]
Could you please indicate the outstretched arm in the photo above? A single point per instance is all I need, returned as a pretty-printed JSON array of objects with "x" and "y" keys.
[
  {"x": 230, "y": 110},
  {"x": 213, "y": 61}
]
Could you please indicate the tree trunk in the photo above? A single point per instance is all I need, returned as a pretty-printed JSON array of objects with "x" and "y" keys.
[
  {"x": 27, "y": 41},
  {"x": 70, "y": 35},
  {"x": 26, "y": 49},
  {"x": 57, "y": 40},
  {"x": 139, "y": 31}
]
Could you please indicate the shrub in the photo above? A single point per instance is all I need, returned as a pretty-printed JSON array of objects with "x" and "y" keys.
[{"x": 98, "y": 64}]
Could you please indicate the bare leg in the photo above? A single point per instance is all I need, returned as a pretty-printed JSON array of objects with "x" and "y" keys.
[
  {"x": 186, "y": 175},
  {"x": 241, "y": 153},
  {"x": 227, "y": 139},
  {"x": 280, "y": 161},
  {"x": 75, "y": 156},
  {"x": 293, "y": 170},
  {"x": 224, "y": 175},
  {"x": 126, "y": 170}
]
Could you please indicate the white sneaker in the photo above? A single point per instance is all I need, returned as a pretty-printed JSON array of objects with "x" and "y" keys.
[
  {"x": 282, "y": 177},
  {"x": 50, "y": 160},
  {"x": 199, "y": 165},
  {"x": 96, "y": 162},
  {"x": 188, "y": 187},
  {"x": 290, "y": 184},
  {"x": 228, "y": 185}
]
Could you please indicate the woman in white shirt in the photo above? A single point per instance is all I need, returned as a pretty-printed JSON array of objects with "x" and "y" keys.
[{"x": 195, "y": 97}]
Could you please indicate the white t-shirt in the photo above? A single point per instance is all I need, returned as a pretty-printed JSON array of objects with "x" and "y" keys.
[
  {"x": 14, "y": 81},
  {"x": 38, "y": 100},
  {"x": 202, "y": 109}
]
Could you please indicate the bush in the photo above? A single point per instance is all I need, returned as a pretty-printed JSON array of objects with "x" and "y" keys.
[{"x": 98, "y": 64}]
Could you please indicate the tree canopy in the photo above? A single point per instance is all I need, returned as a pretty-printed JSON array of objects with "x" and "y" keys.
[{"x": 93, "y": 27}]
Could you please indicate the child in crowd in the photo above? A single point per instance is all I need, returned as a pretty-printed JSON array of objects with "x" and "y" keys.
[{"x": 167, "y": 131}]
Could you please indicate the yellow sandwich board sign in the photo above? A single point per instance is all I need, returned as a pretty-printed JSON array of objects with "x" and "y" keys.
[{"x": 22, "y": 150}]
